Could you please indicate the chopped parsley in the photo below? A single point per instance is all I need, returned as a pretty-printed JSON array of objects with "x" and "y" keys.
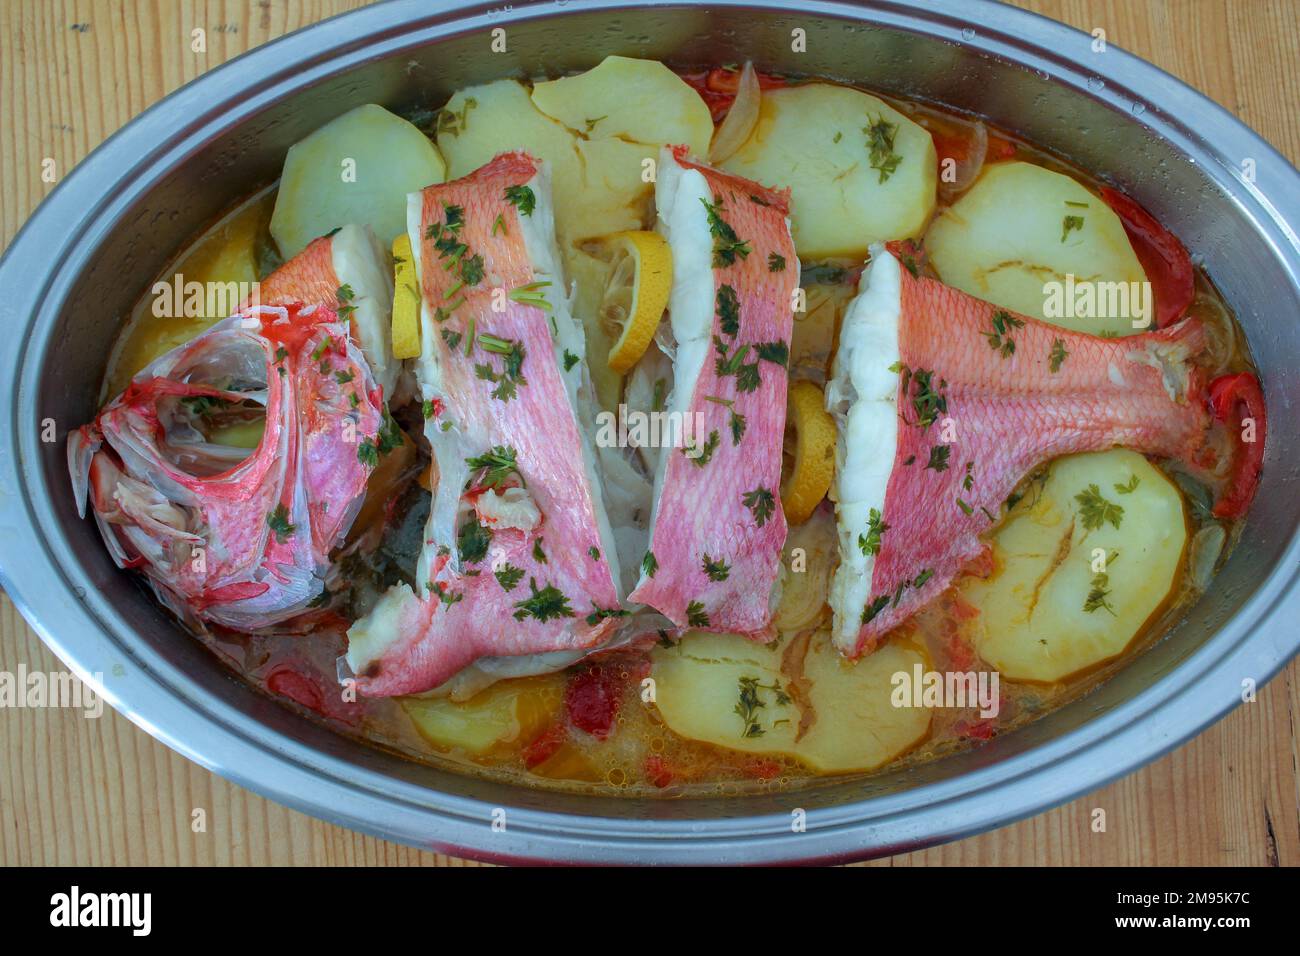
[
  {"x": 716, "y": 569},
  {"x": 543, "y": 605},
  {"x": 599, "y": 613},
  {"x": 775, "y": 263},
  {"x": 875, "y": 607},
  {"x": 496, "y": 466},
  {"x": 522, "y": 198},
  {"x": 649, "y": 564},
  {"x": 473, "y": 540},
  {"x": 1057, "y": 355},
  {"x": 928, "y": 401},
  {"x": 705, "y": 454},
  {"x": 508, "y": 577},
  {"x": 880, "y": 142},
  {"x": 1096, "y": 510},
  {"x": 1070, "y": 224},
  {"x": 696, "y": 615},
  {"x": 1099, "y": 592},
  {"x": 939, "y": 457},
  {"x": 538, "y": 554},
  {"x": 278, "y": 521},
  {"x": 570, "y": 360},
  {"x": 736, "y": 421},
  {"x": 761, "y": 503},
  {"x": 750, "y": 702},
  {"x": 999, "y": 339},
  {"x": 778, "y": 353},
  {"x": 728, "y": 310},
  {"x": 726, "y": 244},
  {"x": 511, "y": 375},
  {"x": 1129, "y": 487},
  {"x": 869, "y": 543}
]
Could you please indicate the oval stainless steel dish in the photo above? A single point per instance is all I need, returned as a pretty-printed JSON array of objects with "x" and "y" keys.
[{"x": 114, "y": 223}]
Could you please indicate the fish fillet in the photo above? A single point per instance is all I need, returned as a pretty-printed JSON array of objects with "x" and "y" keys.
[
  {"x": 718, "y": 528},
  {"x": 945, "y": 403},
  {"x": 523, "y": 564}
]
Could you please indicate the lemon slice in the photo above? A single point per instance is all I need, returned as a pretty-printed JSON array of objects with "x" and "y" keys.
[
  {"x": 406, "y": 301},
  {"x": 636, "y": 293},
  {"x": 809, "y": 478}
]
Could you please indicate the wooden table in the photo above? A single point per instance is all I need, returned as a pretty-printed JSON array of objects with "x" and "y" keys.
[{"x": 79, "y": 791}]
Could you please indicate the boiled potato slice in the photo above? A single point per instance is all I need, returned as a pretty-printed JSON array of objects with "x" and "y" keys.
[
  {"x": 615, "y": 196},
  {"x": 858, "y": 727},
  {"x": 638, "y": 100},
  {"x": 1049, "y": 610},
  {"x": 703, "y": 682},
  {"x": 1021, "y": 226},
  {"x": 708, "y": 685},
  {"x": 357, "y": 168},
  {"x": 814, "y": 138},
  {"x": 512, "y": 710},
  {"x": 596, "y": 184}
]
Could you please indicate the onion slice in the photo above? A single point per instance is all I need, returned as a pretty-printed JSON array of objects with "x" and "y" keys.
[
  {"x": 740, "y": 120},
  {"x": 969, "y": 166}
]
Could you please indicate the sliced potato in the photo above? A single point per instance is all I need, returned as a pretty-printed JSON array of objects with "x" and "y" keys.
[
  {"x": 815, "y": 138},
  {"x": 698, "y": 687},
  {"x": 1020, "y": 227},
  {"x": 726, "y": 690},
  {"x": 596, "y": 183},
  {"x": 1052, "y": 608},
  {"x": 615, "y": 197},
  {"x": 357, "y": 168},
  {"x": 857, "y": 726},
  {"x": 512, "y": 710},
  {"x": 638, "y": 100}
]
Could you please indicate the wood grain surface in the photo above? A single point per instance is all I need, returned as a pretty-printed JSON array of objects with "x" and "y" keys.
[{"x": 101, "y": 791}]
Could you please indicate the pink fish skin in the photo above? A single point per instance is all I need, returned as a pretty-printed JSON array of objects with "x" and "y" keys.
[
  {"x": 545, "y": 588},
  {"x": 719, "y": 527},
  {"x": 1010, "y": 413},
  {"x": 239, "y": 541}
]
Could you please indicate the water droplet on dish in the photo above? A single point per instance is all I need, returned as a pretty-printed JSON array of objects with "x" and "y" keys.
[
  {"x": 1096, "y": 83},
  {"x": 1139, "y": 108},
  {"x": 967, "y": 33}
]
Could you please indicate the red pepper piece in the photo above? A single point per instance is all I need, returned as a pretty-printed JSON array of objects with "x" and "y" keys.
[
  {"x": 1234, "y": 399},
  {"x": 543, "y": 747},
  {"x": 1163, "y": 258},
  {"x": 286, "y": 680},
  {"x": 657, "y": 771},
  {"x": 592, "y": 698}
]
